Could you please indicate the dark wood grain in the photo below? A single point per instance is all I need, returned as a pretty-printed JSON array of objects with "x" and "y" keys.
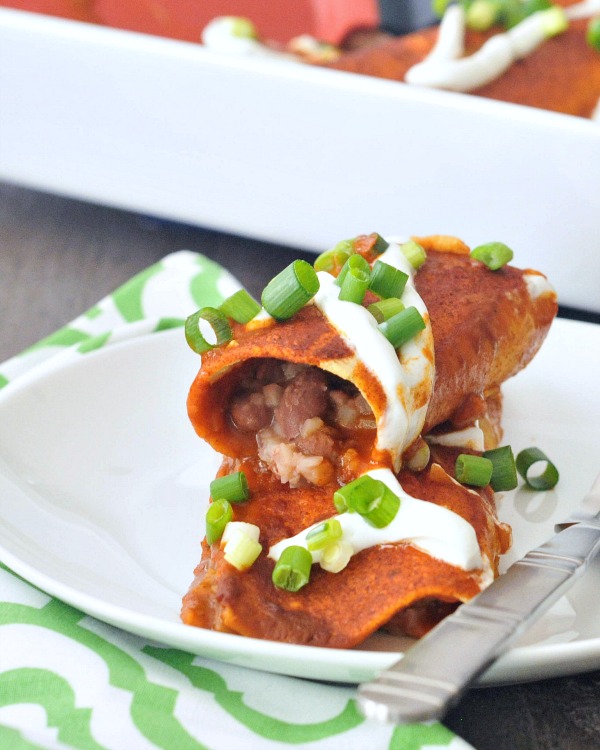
[{"x": 58, "y": 257}]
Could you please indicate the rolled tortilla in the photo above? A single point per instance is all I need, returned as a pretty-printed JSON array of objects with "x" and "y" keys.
[
  {"x": 341, "y": 610},
  {"x": 486, "y": 327}
]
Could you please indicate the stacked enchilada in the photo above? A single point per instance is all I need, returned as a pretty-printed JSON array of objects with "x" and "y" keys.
[{"x": 309, "y": 406}]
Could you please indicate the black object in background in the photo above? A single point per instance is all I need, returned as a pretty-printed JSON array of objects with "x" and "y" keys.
[{"x": 402, "y": 16}]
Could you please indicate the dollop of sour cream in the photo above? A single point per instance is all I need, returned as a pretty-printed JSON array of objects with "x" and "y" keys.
[
  {"x": 431, "y": 528},
  {"x": 406, "y": 375},
  {"x": 236, "y": 36}
]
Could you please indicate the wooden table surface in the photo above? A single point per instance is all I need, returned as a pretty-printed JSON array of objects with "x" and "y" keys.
[{"x": 58, "y": 257}]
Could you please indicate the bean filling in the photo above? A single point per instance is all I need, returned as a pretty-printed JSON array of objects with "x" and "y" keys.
[{"x": 311, "y": 426}]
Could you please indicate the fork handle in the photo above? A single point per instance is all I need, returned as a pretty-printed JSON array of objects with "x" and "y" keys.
[{"x": 436, "y": 671}]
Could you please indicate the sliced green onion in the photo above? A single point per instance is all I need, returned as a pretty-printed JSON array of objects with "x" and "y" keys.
[
  {"x": 232, "y": 487},
  {"x": 218, "y": 515},
  {"x": 240, "y": 306},
  {"x": 513, "y": 12},
  {"x": 341, "y": 496},
  {"x": 439, "y": 7},
  {"x": 419, "y": 456},
  {"x": 592, "y": 34},
  {"x": 553, "y": 21},
  {"x": 532, "y": 6},
  {"x": 323, "y": 534},
  {"x": 474, "y": 470},
  {"x": 241, "y": 549},
  {"x": 379, "y": 246},
  {"x": 345, "y": 246},
  {"x": 402, "y": 327},
  {"x": 370, "y": 245},
  {"x": 242, "y": 27},
  {"x": 292, "y": 570},
  {"x": 234, "y": 527},
  {"x": 290, "y": 290},
  {"x": 339, "y": 500},
  {"x": 504, "y": 471},
  {"x": 333, "y": 260},
  {"x": 385, "y": 308},
  {"x": 481, "y": 15},
  {"x": 387, "y": 281},
  {"x": 414, "y": 253},
  {"x": 216, "y": 320},
  {"x": 336, "y": 556},
  {"x": 493, "y": 254},
  {"x": 355, "y": 262},
  {"x": 526, "y": 459},
  {"x": 355, "y": 284},
  {"x": 370, "y": 498}
]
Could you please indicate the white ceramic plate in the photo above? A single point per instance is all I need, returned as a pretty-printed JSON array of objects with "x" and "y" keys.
[
  {"x": 103, "y": 486},
  {"x": 291, "y": 153}
]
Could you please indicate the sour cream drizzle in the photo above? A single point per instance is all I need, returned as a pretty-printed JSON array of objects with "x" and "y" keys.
[
  {"x": 432, "y": 528},
  {"x": 538, "y": 285},
  {"x": 584, "y": 9},
  {"x": 406, "y": 376},
  {"x": 445, "y": 67},
  {"x": 471, "y": 437}
]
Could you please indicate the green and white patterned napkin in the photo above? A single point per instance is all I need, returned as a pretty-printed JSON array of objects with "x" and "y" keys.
[{"x": 70, "y": 681}]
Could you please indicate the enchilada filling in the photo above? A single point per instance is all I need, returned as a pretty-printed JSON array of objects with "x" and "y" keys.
[{"x": 311, "y": 426}]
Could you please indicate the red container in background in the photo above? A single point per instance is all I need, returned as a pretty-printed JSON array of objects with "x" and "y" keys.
[{"x": 280, "y": 20}]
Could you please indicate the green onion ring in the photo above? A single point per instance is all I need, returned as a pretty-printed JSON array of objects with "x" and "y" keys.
[
  {"x": 402, "y": 327},
  {"x": 493, "y": 254},
  {"x": 504, "y": 472},
  {"x": 553, "y": 21},
  {"x": 323, "y": 534},
  {"x": 414, "y": 253},
  {"x": 336, "y": 556},
  {"x": 241, "y": 550},
  {"x": 385, "y": 308},
  {"x": 481, "y": 15},
  {"x": 292, "y": 570},
  {"x": 355, "y": 284},
  {"x": 240, "y": 306},
  {"x": 387, "y": 281},
  {"x": 473, "y": 470},
  {"x": 592, "y": 34},
  {"x": 370, "y": 498},
  {"x": 439, "y": 7},
  {"x": 243, "y": 27},
  {"x": 290, "y": 290},
  {"x": 218, "y": 515},
  {"x": 232, "y": 487},
  {"x": 545, "y": 481},
  {"x": 217, "y": 321},
  {"x": 380, "y": 245},
  {"x": 355, "y": 262},
  {"x": 334, "y": 259}
]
